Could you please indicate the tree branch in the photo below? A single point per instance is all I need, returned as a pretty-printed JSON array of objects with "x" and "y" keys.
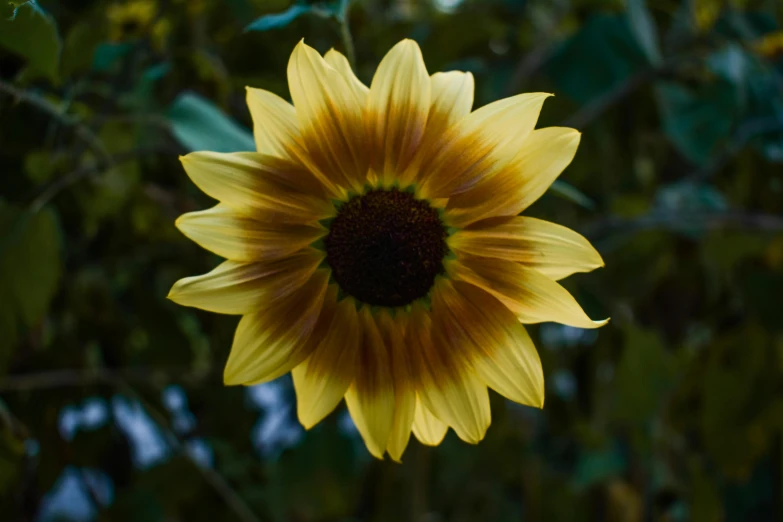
[
  {"x": 86, "y": 171},
  {"x": 80, "y": 130},
  {"x": 684, "y": 221}
]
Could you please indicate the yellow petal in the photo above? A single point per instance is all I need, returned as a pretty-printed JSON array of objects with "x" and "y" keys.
[
  {"x": 429, "y": 429},
  {"x": 543, "y": 156},
  {"x": 246, "y": 237},
  {"x": 404, "y": 392},
  {"x": 452, "y": 99},
  {"x": 532, "y": 296},
  {"x": 323, "y": 379},
  {"x": 480, "y": 145},
  {"x": 251, "y": 181},
  {"x": 397, "y": 109},
  {"x": 446, "y": 384},
  {"x": 275, "y": 128},
  {"x": 553, "y": 250},
  {"x": 272, "y": 341},
  {"x": 498, "y": 346},
  {"x": 330, "y": 118},
  {"x": 370, "y": 398},
  {"x": 241, "y": 288},
  {"x": 341, "y": 64}
]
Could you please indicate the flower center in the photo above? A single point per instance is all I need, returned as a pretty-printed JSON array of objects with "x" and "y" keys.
[{"x": 386, "y": 247}]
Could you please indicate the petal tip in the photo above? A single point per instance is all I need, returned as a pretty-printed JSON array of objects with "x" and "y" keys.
[{"x": 230, "y": 377}]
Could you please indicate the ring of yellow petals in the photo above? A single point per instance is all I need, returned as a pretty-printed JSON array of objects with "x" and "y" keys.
[{"x": 422, "y": 367}]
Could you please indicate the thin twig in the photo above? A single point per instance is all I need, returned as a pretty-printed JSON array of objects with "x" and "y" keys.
[
  {"x": 590, "y": 112},
  {"x": 212, "y": 476},
  {"x": 119, "y": 380},
  {"x": 84, "y": 172},
  {"x": 85, "y": 376},
  {"x": 744, "y": 133},
  {"x": 82, "y": 131},
  {"x": 345, "y": 32},
  {"x": 684, "y": 221},
  {"x": 533, "y": 60}
]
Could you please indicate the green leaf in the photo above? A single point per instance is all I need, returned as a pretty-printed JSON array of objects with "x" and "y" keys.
[
  {"x": 278, "y": 20},
  {"x": 79, "y": 48},
  {"x": 689, "y": 196},
  {"x": 644, "y": 376},
  {"x": 107, "y": 56},
  {"x": 572, "y": 194},
  {"x": 697, "y": 120},
  {"x": 596, "y": 59},
  {"x": 199, "y": 125},
  {"x": 30, "y": 270},
  {"x": 32, "y": 33},
  {"x": 596, "y": 466},
  {"x": 643, "y": 28}
]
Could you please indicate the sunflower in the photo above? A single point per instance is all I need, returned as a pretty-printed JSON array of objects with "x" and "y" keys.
[{"x": 374, "y": 248}]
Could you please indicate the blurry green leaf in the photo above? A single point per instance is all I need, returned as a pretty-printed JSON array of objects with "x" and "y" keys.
[
  {"x": 764, "y": 127},
  {"x": 697, "y": 120},
  {"x": 277, "y": 20},
  {"x": 597, "y": 58},
  {"x": 596, "y": 466},
  {"x": 318, "y": 476},
  {"x": 758, "y": 286},
  {"x": 571, "y": 193},
  {"x": 79, "y": 48},
  {"x": 11, "y": 455},
  {"x": 643, "y": 27},
  {"x": 30, "y": 270},
  {"x": 108, "y": 196},
  {"x": 107, "y": 56},
  {"x": 643, "y": 377},
  {"x": 736, "y": 379},
  {"x": 688, "y": 196},
  {"x": 142, "y": 95},
  {"x": 32, "y": 33},
  {"x": 705, "y": 499},
  {"x": 38, "y": 166},
  {"x": 199, "y": 125},
  {"x": 729, "y": 63},
  {"x": 727, "y": 249}
]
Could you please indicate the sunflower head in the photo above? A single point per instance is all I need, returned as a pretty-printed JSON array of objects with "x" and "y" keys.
[{"x": 375, "y": 250}]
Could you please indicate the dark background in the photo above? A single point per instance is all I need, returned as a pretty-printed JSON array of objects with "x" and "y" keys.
[{"x": 111, "y": 400}]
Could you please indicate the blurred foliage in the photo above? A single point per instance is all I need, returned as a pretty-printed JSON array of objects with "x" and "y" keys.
[{"x": 111, "y": 400}]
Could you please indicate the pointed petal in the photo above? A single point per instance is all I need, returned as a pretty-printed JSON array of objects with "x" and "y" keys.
[
  {"x": 446, "y": 384},
  {"x": 402, "y": 372},
  {"x": 249, "y": 181},
  {"x": 429, "y": 429},
  {"x": 241, "y": 236},
  {"x": 452, "y": 99},
  {"x": 543, "y": 156},
  {"x": 275, "y": 128},
  {"x": 357, "y": 415},
  {"x": 397, "y": 108},
  {"x": 241, "y": 288},
  {"x": 553, "y": 250},
  {"x": 323, "y": 379},
  {"x": 330, "y": 118},
  {"x": 371, "y": 397},
  {"x": 498, "y": 346},
  {"x": 272, "y": 341},
  {"x": 532, "y": 296},
  {"x": 341, "y": 65},
  {"x": 480, "y": 145}
]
